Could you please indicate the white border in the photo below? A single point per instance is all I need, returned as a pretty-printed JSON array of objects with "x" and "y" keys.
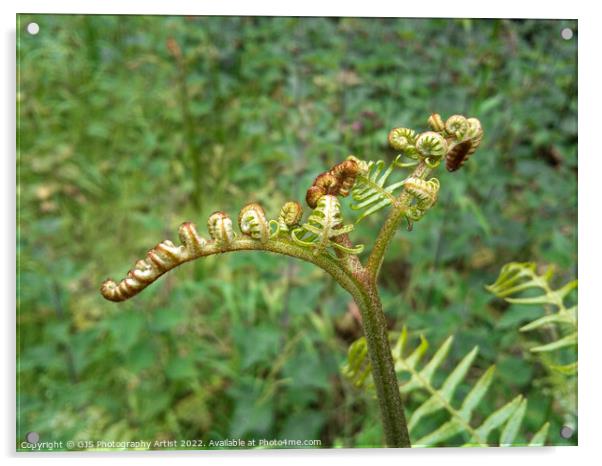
[{"x": 590, "y": 388}]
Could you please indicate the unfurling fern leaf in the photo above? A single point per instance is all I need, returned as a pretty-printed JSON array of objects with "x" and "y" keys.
[
  {"x": 252, "y": 222},
  {"x": 370, "y": 192},
  {"x": 425, "y": 194},
  {"x": 290, "y": 216},
  {"x": 507, "y": 419},
  {"x": 517, "y": 277},
  {"x": 323, "y": 225}
]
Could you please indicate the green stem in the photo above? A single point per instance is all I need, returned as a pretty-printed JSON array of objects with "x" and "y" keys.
[
  {"x": 379, "y": 351},
  {"x": 383, "y": 369},
  {"x": 389, "y": 228}
]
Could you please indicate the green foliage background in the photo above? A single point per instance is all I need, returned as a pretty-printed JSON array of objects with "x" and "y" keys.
[{"x": 120, "y": 141}]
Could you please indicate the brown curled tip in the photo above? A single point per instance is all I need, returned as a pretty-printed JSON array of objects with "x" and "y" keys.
[
  {"x": 345, "y": 172},
  {"x": 456, "y": 157},
  {"x": 347, "y": 168},
  {"x": 338, "y": 181},
  {"x": 312, "y": 196},
  {"x": 327, "y": 182},
  {"x": 111, "y": 291}
]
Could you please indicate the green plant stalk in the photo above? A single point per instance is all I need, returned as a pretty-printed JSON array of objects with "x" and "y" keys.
[
  {"x": 375, "y": 330},
  {"x": 389, "y": 228},
  {"x": 383, "y": 369}
]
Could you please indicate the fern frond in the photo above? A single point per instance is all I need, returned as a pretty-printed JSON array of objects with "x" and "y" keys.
[
  {"x": 324, "y": 224},
  {"x": 507, "y": 419},
  {"x": 517, "y": 277},
  {"x": 370, "y": 192}
]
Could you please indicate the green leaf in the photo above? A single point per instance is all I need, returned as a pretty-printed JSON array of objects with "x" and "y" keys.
[
  {"x": 181, "y": 368},
  {"x": 564, "y": 318},
  {"x": 512, "y": 426},
  {"x": 543, "y": 299},
  {"x": 566, "y": 369},
  {"x": 444, "y": 432},
  {"x": 516, "y": 277},
  {"x": 509, "y": 416},
  {"x": 444, "y": 394},
  {"x": 411, "y": 361},
  {"x": 566, "y": 289},
  {"x": 426, "y": 373},
  {"x": 569, "y": 340},
  {"x": 477, "y": 393},
  {"x": 370, "y": 193},
  {"x": 498, "y": 417},
  {"x": 539, "y": 439}
]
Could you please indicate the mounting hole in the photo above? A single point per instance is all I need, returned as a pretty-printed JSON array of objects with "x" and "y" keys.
[
  {"x": 566, "y": 432},
  {"x": 567, "y": 33},
  {"x": 33, "y": 28},
  {"x": 32, "y": 437}
]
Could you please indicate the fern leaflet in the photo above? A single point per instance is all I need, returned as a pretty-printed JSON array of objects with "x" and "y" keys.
[
  {"x": 322, "y": 227},
  {"x": 370, "y": 192},
  {"x": 517, "y": 277}
]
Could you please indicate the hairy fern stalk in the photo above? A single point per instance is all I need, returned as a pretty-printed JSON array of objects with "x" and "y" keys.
[{"x": 324, "y": 240}]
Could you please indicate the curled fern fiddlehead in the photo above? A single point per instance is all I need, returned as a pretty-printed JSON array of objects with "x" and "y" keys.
[
  {"x": 460, "y": 151},
  {"x": 220, "y": 228},
  {"x": 425, "y": 193},
  {"x": 337, "y": 181},
  {"x": 192, "y": 241},
  {"x": 252, "y": 222},
  {"x": 345, "y": 173},
  {"x": 325, "y": 229},
  {"x": 290, "y": 216},
  {"x": 162, "y": 258},
  {"x": 436, "y": 123},
  {"x": 432, "y": 146},
  {"x": 457, "y": 126},
  {"x": 323, "y": 226},
  {"x": 403, "y": 139}
]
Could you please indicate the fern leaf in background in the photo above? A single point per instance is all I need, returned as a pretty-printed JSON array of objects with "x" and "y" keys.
[
  {"x": 507, "y": 419},
  {"x": 371, "y": 194},
  {"x": 517, "y": 277},
  {"x": 556, "y": 347}
]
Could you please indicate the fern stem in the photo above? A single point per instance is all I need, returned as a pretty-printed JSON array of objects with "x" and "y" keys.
[
  {"x": 383, "y": 369},
  {"x": 389, "y": 228}
]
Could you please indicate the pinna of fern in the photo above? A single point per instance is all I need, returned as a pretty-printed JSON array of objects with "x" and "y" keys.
[{"x": 520, "y": 277}]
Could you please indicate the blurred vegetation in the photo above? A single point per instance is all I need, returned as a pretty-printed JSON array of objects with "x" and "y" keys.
[{"x": 130, "y": 125}]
